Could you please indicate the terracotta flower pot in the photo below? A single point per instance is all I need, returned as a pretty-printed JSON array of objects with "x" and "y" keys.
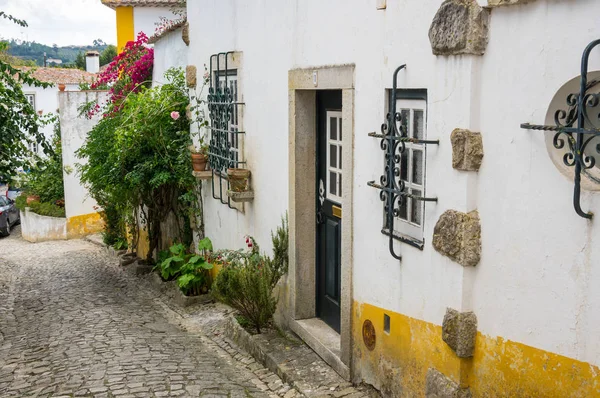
[
  {"x": 238, "y": 179},
  {"x": 32, "y": 198},
  {"x": 62, "y": 87},
  {"x": 199, "y": 161}
]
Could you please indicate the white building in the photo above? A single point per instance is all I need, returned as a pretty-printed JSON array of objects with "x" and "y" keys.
[
  {"x": 45, "y": 100},
  {"x": 135, "y": 16},
  {"x": 495, "y": 291}
]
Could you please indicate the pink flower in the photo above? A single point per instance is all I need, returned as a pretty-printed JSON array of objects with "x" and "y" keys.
[{"x": 174, "y": 115}]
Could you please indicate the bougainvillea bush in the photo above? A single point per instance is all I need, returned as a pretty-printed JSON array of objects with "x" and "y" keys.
[{"x": 128, "y": 73}]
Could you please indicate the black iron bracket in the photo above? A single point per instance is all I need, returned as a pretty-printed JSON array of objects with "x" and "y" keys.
[
  {"x": 577, "y": 138},
  {"x": 393, "y": 142}
]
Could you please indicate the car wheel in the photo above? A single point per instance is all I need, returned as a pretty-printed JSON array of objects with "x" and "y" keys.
[{"x": 6, "y": 230}]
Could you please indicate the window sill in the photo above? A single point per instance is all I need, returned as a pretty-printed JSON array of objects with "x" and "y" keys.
[
  {"x": 419, "y": 244},
  {"x": 239, "y": 197}
]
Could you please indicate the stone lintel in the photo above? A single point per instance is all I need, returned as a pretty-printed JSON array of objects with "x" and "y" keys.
[
  {"x": 437, "y": 385},
  {"x": 190, "y": 76},
  {"x": 459, "y": 27},
  {"x": 467, "y": 150},
  {"x": 458, "y": 236},
  {"x": 499, "y": 3},
  {"x": 459, "y": 330}
]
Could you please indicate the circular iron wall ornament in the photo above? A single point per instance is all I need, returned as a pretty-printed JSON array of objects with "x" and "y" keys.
[{"x": 369, "y": 337}]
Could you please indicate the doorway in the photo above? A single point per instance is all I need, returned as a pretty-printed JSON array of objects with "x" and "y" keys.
[{"x": 329, "y": 206}]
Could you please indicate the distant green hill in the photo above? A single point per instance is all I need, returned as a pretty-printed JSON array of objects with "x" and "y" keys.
[{"x": 30, "y": 50}]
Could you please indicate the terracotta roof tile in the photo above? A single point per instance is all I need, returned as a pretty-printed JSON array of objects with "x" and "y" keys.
[
  {"x": 143, "y": 3},
  {"x": 157, "y": 36},
  {"x": 61, "y": 75}
]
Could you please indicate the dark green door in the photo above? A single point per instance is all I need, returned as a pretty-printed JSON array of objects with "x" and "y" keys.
[{"x": 329, "y": 206}]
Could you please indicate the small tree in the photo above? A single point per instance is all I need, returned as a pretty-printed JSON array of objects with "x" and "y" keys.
[{"x": 19, "y": 123}]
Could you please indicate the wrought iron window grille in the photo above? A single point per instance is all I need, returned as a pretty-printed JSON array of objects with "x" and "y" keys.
[
  {"x": 394, "y": 137},
  {"x": 224, "y": 113},
  {"x": 577, "y": 138}
]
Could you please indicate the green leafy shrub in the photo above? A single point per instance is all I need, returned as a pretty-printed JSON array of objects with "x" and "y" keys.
[
  {"x": 45, "y": 179},
  {"x": 190, "y": 269},
  {"x": 246, "y": 280},
  {"x": 43, "y": 209}
]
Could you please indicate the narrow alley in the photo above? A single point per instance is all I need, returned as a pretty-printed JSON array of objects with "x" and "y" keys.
[{"x": 73, "y": 324}]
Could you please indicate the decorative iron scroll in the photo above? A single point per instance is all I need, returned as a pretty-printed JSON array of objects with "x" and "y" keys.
[
  {"x": 393, "y": 142},
  {"x": 223, "y": 109},
  {"x": 577, "y": 138}
]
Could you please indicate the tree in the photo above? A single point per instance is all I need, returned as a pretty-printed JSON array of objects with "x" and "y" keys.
[
  {"x": 19, "y": 123},
  {"x": 80, "y": 61},
  {"x": 109, "y": 53}
]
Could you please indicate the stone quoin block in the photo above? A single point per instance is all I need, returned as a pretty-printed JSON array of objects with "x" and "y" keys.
[
  {"x": 459, "y": 27},
  {"x": 459, "y": 330},
  {"x": 467, "y": 150},
  {"x": 190, "y": 76},
  {"x": 439, "y": 386},
  {"x": 185, "y": 34},
  {"x": 497, "y": 3},
  {"x": 458, "y": 236}
]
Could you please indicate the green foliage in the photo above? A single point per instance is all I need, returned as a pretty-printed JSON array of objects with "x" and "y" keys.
[
  {"x": 45, "y": 179},
  {"x": 190, "y": 269},
  {"x": 107, "y": 55},
  {"x": 33, "y": 52},
  {"x": 246, "y": 286},
  {"x": 19, "y": 122},
  {"x": 246, "y": 280},
  {"x": 43, "y": 209},
  {"x": 137, "y": 157}
]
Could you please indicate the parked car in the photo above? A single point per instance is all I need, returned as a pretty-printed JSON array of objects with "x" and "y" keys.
[
  {"x": 12, "y": 193},
  {"x": 9, "y": 215}
]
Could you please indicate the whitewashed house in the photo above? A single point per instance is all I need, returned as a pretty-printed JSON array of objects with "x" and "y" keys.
[
  {"x": 452, "y": 254},
  {"x": 45, "y": 100}
]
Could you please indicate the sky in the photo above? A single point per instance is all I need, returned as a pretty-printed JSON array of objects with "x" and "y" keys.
[{"x": 61, "y": 22}]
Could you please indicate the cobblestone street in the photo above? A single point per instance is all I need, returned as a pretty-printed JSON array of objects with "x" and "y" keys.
[{"x": 73, "y": 324}]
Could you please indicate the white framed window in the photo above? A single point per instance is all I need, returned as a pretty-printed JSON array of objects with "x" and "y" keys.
[
  {"x": 334, "y": 156},
  {"x": 412, "y": 167},
  {"x": 31, "y": 99},
  {"x": 33, "y": 147}
]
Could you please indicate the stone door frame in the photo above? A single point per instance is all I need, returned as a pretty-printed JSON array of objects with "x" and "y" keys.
[{"x": 303, "y": 86}]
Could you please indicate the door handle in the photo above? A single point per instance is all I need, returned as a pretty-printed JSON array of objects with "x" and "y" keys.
[{"x": 320, "y": 218}]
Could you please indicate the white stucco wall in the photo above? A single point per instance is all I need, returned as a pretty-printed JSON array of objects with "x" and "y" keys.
[
  {"x": 169, "y": 52},
  {"x": 74, "y": 131},
  {"x": 535, "y": 282},
  {"x": 145, "y": 18},
  {"x": 46, "y": 100},
  {"x": 37, "y": 228}
]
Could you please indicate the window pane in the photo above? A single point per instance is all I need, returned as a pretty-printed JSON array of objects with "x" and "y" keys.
[
  {"x": 340, "y": 187},
  {"x": 332, "y": 183},
  {"x": 404, "y": 165},
  {"x": 415, "y": 214},
  {"x": 340, "y": 119},
  {"x": 403, "y": 207},
  {"x": 405, "y": 113},
  {"x": 419, "y": 124},
  {"x": 340, "y": 161},
  {"x": 333, "y": 128},
  {"x": 417, "y": 167},
  {"x": 333, "y": 155}
]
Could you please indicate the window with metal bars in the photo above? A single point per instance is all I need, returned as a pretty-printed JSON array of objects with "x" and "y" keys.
[
  {"x": 412, "y": 107},
  {"x": 225, "y": 113}
]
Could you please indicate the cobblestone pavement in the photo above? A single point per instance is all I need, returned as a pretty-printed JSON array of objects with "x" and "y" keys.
[{"x": 73, "y": 324}]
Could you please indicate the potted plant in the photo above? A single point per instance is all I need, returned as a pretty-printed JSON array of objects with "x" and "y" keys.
[
  {"x": 199, "y": 157},
  {"x": 238, "y": 179}
]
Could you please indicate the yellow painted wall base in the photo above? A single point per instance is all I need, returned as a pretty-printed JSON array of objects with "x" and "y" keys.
[
  {"x": 84, "y": 225},
  {"x": 500, "y": 368}
]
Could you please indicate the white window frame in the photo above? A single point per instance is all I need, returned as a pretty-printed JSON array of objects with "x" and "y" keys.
[
  {"x": 31, "y": 98},
  {"x": 337, "y": 197},
  {"x": 406, "y": 227}
]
